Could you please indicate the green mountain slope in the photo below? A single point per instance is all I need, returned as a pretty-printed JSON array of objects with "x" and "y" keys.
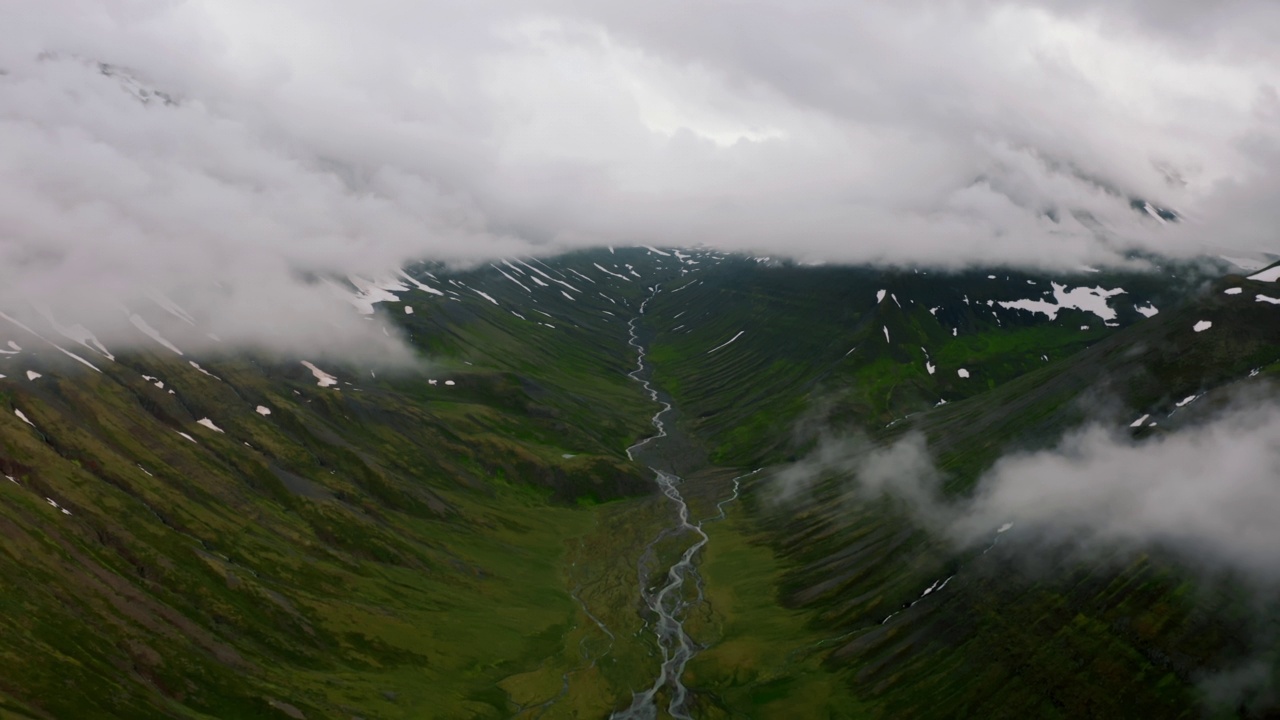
[{"x": 244, "y": 536}]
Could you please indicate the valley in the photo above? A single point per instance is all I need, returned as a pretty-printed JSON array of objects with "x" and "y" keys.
[{"x": 579, "y": 505}]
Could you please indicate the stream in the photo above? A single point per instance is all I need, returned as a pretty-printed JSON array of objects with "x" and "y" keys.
[{"x": 668, "y": 602}]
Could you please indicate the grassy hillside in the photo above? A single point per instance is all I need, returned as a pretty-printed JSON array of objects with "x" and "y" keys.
[{"x": 238, "y": 537}]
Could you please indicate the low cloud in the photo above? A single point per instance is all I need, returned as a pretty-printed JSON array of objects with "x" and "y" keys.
[
  {"x": 1210, "y": 493},
  {"x": 227, "y": 150}
]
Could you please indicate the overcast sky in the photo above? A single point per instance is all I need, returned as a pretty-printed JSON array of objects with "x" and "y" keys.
[{"x": 326, "y": 135}]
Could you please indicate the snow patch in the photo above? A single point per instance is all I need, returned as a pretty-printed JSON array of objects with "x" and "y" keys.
[
  {"x": 1264, "y": 298},
  {"x": 880, "y": 296},
  {"x": 886, "y": 332},
  {"x": 1268, "y": 275},
  {"x": 369, "y": 292},
  {"x": 1093, "y": 300},
  {"x": 201, "y": 370},
  {"x": 1233, "y": 291},
  {"x": 323, "y": 379},
  {"x": 962, "y": 373},
  {"x": 151, "y": 332},
  {"x": 263, "y": 410},
  {"x": 1139, "y": 421},
  {"x": 421, "y": 286},
  {"x": 209, "y": 424},
  {"x": 1202, "y": 326},
  {"x": 1148, "y": 311},
  {"x": 22, "y": 416},
  {"x": 735, "y": 337},
  {"x": 484, "y": 295},
  {"x": 609, "y": 272},
  {"x": 186, "y": 436}
]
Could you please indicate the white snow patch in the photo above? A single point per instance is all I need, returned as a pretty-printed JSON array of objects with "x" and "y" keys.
[
  {"x": 1264, "y": 298},
  {"x": 962, "y": 373},
  {"x": 263, "y": 410},
  {"x": 735, "y": 337},
  {"x": 584, "y": 277},
  {"x": 880, "y": 296},
  {"x": 378, "y": 290},
  {"x": 408, "y": 310},
  {"x": 171, "y": 307},
  {"x": 1084, "y": 327},
  {"x": 151, "y": 332},
  {"x": 1152, "y": 212},
  {"x": 23, "y": 417},
  {"x": 656, "y": 251},
  {"x": 566, "y": 294},
  {"x": 186, "y": 436},
  {"x": 421, "y": 286},
  {"x": 1093, "y": 300},
  {"x": 76, "y": 333},
  {"x": 1004, "y": 528},
  {"x": 484, "y": 295},
  {"x": 505, "y": 275},
  {"x": 449, "y": 382},
  {"x": 1139, "y": 421},
  {"x": 886, "y": 332},
  {"x": 323, "y": 379},
  {"x": 610, "y": 272},
  {"x": 1233, "y": 291},
  {"x": 1268, "y": 275},
  {"x": 1148, "y": 311},
  {"x": 1202, "y": 326},
  {"x": 196, "y": 365},
  {"x": 1186, "y": 401},
  {"x": 32, "y": 375},
  {"x": 209, "y": 424},
  {"x": 930, "y": 367}
]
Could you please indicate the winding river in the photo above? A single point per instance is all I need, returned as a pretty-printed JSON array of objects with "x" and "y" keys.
[{"x": 668, "y": 603}]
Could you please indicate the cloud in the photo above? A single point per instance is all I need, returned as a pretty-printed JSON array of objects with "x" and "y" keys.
[
  {"x": 1208, "y": 492},
  {"x": 311, "y": 138}
]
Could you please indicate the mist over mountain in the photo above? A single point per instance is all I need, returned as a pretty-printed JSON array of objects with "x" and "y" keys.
[
  {"x": 660, "y": 360},
  {"x": 229, "y": 151}
]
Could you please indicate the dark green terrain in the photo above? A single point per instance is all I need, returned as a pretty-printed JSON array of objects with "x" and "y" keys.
[{"x": 464, "y": 539}]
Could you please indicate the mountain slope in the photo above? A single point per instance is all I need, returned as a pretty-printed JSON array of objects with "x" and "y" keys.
[{"x": 252, "y": 536}]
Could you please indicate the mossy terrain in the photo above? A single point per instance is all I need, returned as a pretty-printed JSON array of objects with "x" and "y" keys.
[{"x": 465, "y": 539}]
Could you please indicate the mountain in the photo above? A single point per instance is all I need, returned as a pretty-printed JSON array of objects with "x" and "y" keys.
[{"x": 251, "y": 535}]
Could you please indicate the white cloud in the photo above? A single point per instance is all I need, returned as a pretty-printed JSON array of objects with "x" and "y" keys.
[
  {"x": 324, "y": 137},
  {"x": 1208, "y": 492}
]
